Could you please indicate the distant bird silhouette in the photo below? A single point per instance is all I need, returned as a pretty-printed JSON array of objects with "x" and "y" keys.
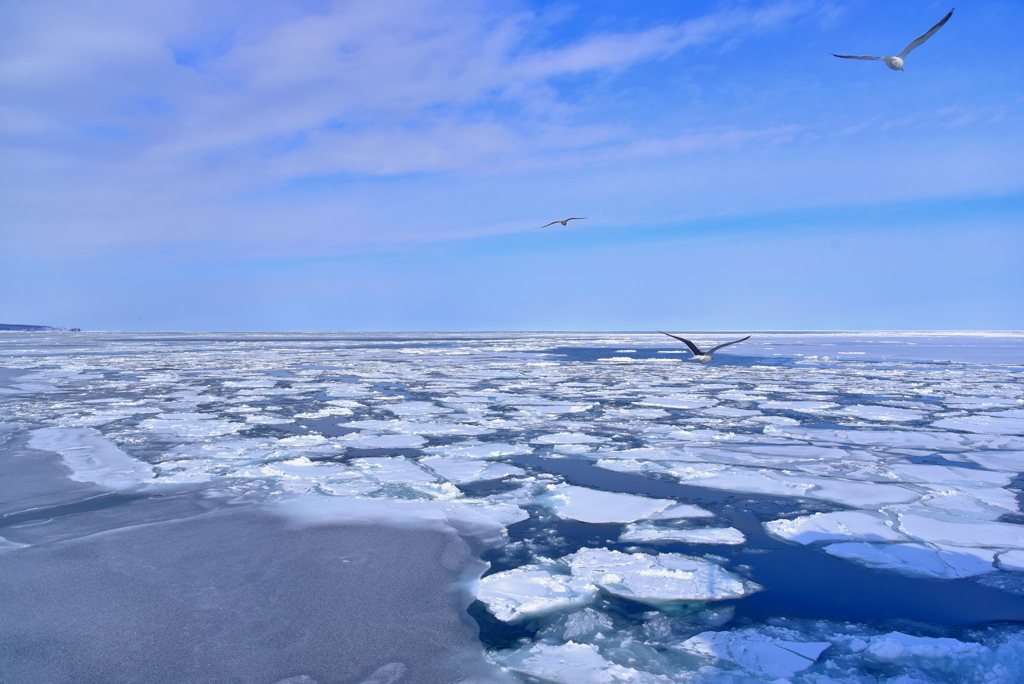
[
  {"x": 574, "y": 218},
  {"x": 896, "y": 63},
  {"x": 699, "y": 355}
]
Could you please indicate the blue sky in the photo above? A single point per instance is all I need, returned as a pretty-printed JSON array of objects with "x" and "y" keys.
[{"x": 367, "y": 165}]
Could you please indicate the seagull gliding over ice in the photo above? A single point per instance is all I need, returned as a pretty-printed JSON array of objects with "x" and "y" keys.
[
  {"x": 896, "y": 63},
  {"x": 699, "y": 355},
  {"x": 574, "y": 218}
]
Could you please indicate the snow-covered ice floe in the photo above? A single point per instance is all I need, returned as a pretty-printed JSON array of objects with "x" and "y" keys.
[{"x": 92, "y": 458}]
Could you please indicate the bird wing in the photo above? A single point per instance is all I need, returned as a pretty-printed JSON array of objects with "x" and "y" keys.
[
  {"x": 576, "y": 218},
  {"x": 688, "y": 343},
  {"x": 714, "y": 349},
  {"x": 550, "y": 224},
  {"x": 931, "y": 32},
  {"x": 854, "y": 56}
]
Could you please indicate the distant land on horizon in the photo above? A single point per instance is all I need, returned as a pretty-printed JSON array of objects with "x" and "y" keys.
[{"x": 35, "y": 328}]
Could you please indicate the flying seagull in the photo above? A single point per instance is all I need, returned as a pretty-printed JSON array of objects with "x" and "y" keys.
[
  {"x": 574, "y": 218},
  {"x": 699, "y": 355},
  {"x": 896, "y": 63}
]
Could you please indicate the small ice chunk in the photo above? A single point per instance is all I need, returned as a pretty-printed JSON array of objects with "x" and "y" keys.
[
  {"x": 709, "y": 535},
  {"x": 585, "y": 624},
  {"x": 758, "y": 653},
  {"x": 595, "y": 506},
  {"x": 92, "y": 457},
  {"x": 464, "y": 470},
  {"x": 904, "y": 649},
  {"x": 917, "y": 560},
  {"x": 531, "y": 590},
  {"x": 658, "y": 580},
  {"x": 847, "y": 525}
]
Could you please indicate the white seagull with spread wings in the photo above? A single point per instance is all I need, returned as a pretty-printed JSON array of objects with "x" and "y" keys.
[
  {"x": 699, "y": 355},
  {"x": 574, "y": 218},
  {"x": 896, "y": 63}
]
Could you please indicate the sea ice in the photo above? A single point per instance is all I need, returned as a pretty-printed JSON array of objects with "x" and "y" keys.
[
  {"x": 568, "y": 438},
  {"x": 989, "y": 425},
  {"x": 372, "y": 441},
  {"x": 917, "y": 560},
  {"x": 678, "y": 402},
  {"x": 393, "y": 469},
  {"x": 465, "y": 470},
  {"x": 596, "y": 506},
  {"x": 708, "y": 535},
  {"x": 92, "y": 457},
  {"x": 531, "y": 590},
  {"x": 882, "y": 413},
  {"x": 757, "y": 653},
  {"x": 658, "y": 580},
  {"x": 904, "y": 649},
  {"x": 846, "y": 525},
  {"x": 572, "y": 663},
  {"x": 495, "y": 450},
  {"x": 191, "y": 425}
]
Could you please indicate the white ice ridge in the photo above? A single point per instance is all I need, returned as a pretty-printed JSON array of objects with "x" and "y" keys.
[
  {"x": 755, "y": 652},
  {"x": 596, "y": 506},
  {"x": 92, "y": 457},
  {"x": 641, "y": 532}
]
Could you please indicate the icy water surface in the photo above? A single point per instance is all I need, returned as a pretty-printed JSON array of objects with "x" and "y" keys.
[{"x": 540, "y": 507}]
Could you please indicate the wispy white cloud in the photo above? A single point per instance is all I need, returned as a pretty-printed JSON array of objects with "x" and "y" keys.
[{"x": 125, "y": 122}]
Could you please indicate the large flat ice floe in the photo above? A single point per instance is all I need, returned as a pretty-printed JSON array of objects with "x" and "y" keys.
[{"x": 596, "y": 506}]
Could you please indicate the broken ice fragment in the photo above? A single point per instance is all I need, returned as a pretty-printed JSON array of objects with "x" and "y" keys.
[
  {"x": 531, "y": 590},
  {"x": 709, "y": 535},
  {"x": 846, "y": 525},
  {"x": 658, "y": 580},
  {"x": 596, "y": 506},
  {"x": 917, "y": 560},
  {"x": 758, "y": 653}
]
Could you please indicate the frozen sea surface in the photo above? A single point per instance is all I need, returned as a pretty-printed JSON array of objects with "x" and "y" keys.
[{"x": 325, "y": 508}]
